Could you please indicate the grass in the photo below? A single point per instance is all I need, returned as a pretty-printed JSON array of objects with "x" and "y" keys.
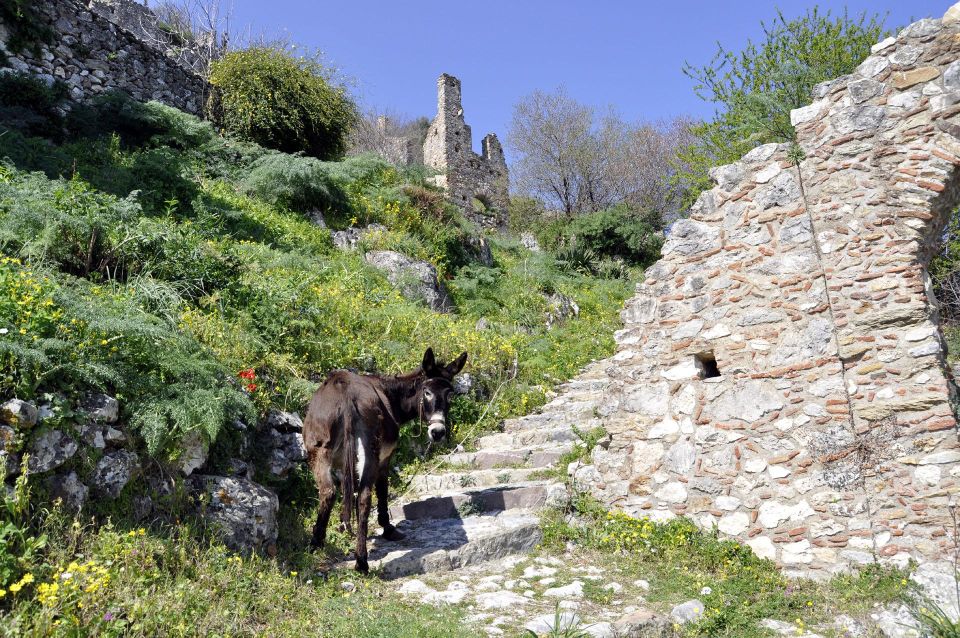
[
  {"x": 111, "y": 581},
  {"x": 738, "y": 589}
]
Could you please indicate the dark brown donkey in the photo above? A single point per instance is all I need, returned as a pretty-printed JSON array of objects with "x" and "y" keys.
[{"x": 352, "y": 427}]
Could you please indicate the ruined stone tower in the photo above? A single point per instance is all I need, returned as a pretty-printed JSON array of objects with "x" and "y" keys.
[{"x": 478, "y": 184}]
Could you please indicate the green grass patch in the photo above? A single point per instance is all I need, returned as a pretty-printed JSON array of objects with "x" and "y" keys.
[{"x": 738, "y": 588}]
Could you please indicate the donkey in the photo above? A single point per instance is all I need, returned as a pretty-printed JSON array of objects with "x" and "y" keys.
[{"x": 352, "y": 427}]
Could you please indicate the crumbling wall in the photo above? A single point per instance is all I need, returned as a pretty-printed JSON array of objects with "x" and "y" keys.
[
  {"x": 478, "y": 184},
  {"x": 781, "y": 373},
  {"x": 91, "y": 53}
]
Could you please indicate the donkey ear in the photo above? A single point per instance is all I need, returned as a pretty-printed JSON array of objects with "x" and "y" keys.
[
  {"x": 457, "y": 364},
  {"x": 429, "y": 361}
]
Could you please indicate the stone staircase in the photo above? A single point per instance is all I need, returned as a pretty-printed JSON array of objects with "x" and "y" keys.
[{"x": 485, "y": 505}]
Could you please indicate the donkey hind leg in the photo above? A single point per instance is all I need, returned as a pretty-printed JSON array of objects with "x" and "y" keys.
[
  {"x": 368, "y": 475},
  {"x": 326, "y": 490},
  {"x": 383, "y": 510}
]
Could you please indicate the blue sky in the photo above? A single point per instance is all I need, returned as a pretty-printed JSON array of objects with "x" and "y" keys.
[{"x": 623, "y": 53}]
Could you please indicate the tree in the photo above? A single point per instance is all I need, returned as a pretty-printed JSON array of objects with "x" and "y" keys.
[
  {"x": 387, "y": 135},
  {"x": 578, "y": 161},
  {"x": 755, "y": 89},
  {"x": 281, "y": 100}
]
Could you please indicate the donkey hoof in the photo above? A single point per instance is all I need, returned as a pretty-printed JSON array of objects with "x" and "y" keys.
[
  {"x": 392, "y": 534},
  {"x": 362, "y": 566}
]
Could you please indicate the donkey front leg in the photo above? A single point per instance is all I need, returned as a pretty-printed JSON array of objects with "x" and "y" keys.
[{"x": 383, "y": 510}]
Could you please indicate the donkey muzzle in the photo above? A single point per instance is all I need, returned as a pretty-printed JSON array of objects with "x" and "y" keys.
[{"x": 437, "y": 429}]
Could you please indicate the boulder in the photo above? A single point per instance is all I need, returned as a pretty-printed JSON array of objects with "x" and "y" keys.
[
  {"x": 284, "y": 421},
  {"x": 19, "y": 414},
  {"x": 690, "y": 611},
  {"x": 244, "y": 512},
  {"x": 285, "y": 451},
  {"x": 102, "y": 408},
  {"x": 529, "y": 241},
  {"x": 69, "y": 489},
  {"x": 193, "y": 454},
  {"x": 114, "y": 471},
  {"x": 349, "y": 238},
  {"x": 479, "y": 249},
  {"x": 416, "y": 280},
  {"x": 50, "y": 450},
  {"x": 562, "y": 308}
]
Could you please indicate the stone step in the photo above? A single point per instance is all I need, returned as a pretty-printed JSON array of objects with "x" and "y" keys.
[
  {"x": 531, "y": 457},
  {"x": 433, "y": 545},
  {"x": 526, "y": 438},
  {"x": 460, "y": 504},
  {"x": 568, "y": 411},
  {"x": 471, "y": 478},
  {"x": 583, "y": 421}
]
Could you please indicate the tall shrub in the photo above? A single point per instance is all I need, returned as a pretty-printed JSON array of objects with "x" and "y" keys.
[{"x": 282, "y": 101}]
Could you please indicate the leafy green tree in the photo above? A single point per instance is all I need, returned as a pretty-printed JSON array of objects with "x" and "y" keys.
[
  {"x": 282, "y": 101},
  {"x": 756, "y": 88}
]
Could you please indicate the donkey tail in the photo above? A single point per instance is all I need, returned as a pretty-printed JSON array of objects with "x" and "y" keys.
[{"x": 348, "y": 418}]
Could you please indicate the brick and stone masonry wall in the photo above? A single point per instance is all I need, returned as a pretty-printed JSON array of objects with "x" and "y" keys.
[
  {"x": 91, "y": 53},
  {"x": 823, "y": 435},
  {"x": 465, "y": 175}
]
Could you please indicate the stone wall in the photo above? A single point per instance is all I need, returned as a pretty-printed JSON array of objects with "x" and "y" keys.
[
  {"x": 781, "y": 373},
  {"x": 92, "y": 53},
  {"x": 478, "y": 184}
]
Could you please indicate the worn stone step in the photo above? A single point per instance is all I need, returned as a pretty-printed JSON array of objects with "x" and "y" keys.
[
  {"x": 524, "y": 438},
  {"x": 460, "y": 504},
  {"x": 472, "y": 478},
  {"x": 560, "y": 411},
  {"x": 532, "y": 457},
  {"x": 584, "y": 422},
  {"x": 433, "y": 545}
]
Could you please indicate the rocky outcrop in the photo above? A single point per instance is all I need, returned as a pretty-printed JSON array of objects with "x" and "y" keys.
[
  {"x": 416, "y": 280},
  {"x": 82, "y": 452}
]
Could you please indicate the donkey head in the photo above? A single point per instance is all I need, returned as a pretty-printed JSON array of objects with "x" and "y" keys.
[{"x": 436, "y": 392}]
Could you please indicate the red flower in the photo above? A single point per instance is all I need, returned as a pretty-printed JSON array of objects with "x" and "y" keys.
[
  {"x": 251, "y": 387},
  {"x": 247, "y": 374}
]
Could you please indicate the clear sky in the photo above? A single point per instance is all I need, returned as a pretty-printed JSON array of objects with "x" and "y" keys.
[{"x": 623, "y": 53}]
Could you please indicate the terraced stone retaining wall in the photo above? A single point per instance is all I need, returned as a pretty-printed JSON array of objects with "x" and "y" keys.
[
  {"x": 781, "y": 374},
  {"x": 103, "y": 44}
]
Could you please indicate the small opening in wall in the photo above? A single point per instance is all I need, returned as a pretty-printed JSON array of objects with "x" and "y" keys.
[{"x": 707, "y": 365}]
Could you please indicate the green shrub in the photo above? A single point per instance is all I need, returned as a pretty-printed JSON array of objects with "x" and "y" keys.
[
  {"x": 618, "y": 232},
  {"x": 298, "y": 183},
  {"x": 269, "y": 96}
]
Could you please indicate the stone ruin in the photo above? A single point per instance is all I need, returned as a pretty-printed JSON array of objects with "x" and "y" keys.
[
  {"x": 478, "y": 184},
  {"x": 781, "y": 374}
]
